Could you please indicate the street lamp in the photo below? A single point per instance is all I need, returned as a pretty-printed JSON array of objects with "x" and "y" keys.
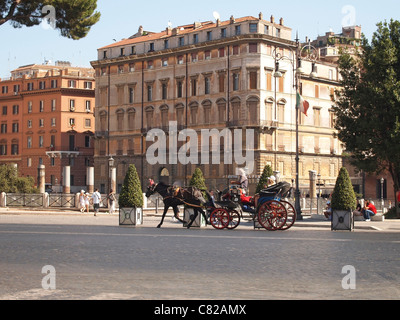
[
  {"x": 382, "y": 182},
  {"x": 110, "y": 168},
  {"x": 307, "y": 53}
]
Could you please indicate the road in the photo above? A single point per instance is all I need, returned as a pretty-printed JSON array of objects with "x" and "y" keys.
[{"x": 95, "y": 259}]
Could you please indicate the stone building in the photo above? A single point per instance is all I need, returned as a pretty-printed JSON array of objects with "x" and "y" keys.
[
  {"x": 213, "y": 75},
  {"x": 47, "y": 118}
]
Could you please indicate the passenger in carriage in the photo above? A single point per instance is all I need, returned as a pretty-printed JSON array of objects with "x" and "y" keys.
[{"x": 243, "y": 181}]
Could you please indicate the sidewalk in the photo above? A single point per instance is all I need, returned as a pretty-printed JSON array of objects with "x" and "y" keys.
[{"x": 152, "y": 219}]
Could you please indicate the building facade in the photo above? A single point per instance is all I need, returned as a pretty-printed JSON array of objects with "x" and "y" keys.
[
  {"x": 48, "y": 119},
  {"x": 213, "y": 75}
]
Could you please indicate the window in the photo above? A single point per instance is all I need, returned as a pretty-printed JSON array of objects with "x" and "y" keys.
[
  {"x": 15, "y": 109},
  {"x": 133, "y": 50},
  {"x": 194, "y": 57},
  {"x": 253, "y": 27},
  {"x": 3, "y": 149},
  {"x": 253, "y": 79},
  {"x": 71, "y": 83},
  {"x": 151, "y": 47},
  {"x": 181, "y": 41},
  {"x": 29, "y": 142},
  {"x": 42, "y": 85},
  {"x": 237, "y": 30},
  {"x": 223, "y": 33},
  {"x": 15, "y": 127},
  {"x": 266, "y": 29},
  {"x": 235, "y": 81},
  {"x": 207, "y": 55},
  {"x": 52, "y": 163},
  {"x": 180, "y": 59},
  {"x": 180, "y": 88},
  {"x": 166, "y": 44},
  {"x": 72, "y": 122},
  {"x": 253, "y": 48},
  {"x": 221, "y": 52},
  {"x": 88, "y": 85},
  {"x": 164, "y": 62},
  {"x": 121, "y": 68},
  {"x": 53, "y": 122},
  {"x": 3, "y": 128},
  {"x": 131, "y": 67},
  {"x": 150, "y": 64},
  {"x": 41, "y": 106},
  {"x": 30, "y": 107},
  {"x": 87, "y": 141},
  {"x": 131, "y": 95},
  {"x": 53, "y": 105},
  {"x": 207, "y": 85},
  {"x": 317, "y": 116},
  {"x": 195, "y": 38},
  {"x": 4, "y": 111},
  {"x": 53, "y": 84},
  {"x": 209, "y": 35},
  {"x": 29, "y": 162},
  {"x": 278, "y": 33},
  {"x": 29, "y": 123},
  {"x": 235, "y": 50},
  {"x": 88, "y": 106},
  {"x": 221, "y": 82},
  {"x": 194, "y": 88},
  {"x": 104, "y": 54},
  {"x": 4, "y": 89},
  {"x": 164, "y": 91},
  {"x": 16, "y": 88},
  {"x": 41, "y": 123},
  {"x": 41, "y": 142},
  {"x": 88, "y": 123},
  {"x": 30, "y": 86},
  {"x": 149, "y": 92},
  {"x": 14, "y": 149},
  {"x": 122, "y": 52},
  {"x": 72, "y": 105}
]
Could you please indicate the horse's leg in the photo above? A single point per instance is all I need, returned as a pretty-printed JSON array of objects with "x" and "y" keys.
[
  {"x": 163, "y": 216},
  {"x": 204, "y": 215},
  {"x": 176, "y": 213}
]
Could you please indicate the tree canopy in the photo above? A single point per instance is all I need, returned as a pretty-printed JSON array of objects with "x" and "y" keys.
[
  {"x": 131, "y": 193},
  {"x": 367, "y": 107},
  {"x": 11, "y": 183},
  {"x": 72, "y": 18}
]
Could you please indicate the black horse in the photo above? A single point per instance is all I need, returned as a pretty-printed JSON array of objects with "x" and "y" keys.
[{"x": 173, "y": 197}]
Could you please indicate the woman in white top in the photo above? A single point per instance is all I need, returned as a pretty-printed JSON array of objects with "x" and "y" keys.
[{"x": 82, "y": 201}]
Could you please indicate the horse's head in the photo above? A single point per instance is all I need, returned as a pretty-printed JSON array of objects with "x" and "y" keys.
[{"x": 151, "y": 188}]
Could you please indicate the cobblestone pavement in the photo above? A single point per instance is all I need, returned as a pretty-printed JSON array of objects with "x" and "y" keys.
[{"x": 95, "y": 259}]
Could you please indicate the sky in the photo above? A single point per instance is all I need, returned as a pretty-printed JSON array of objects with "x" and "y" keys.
[{"x": 122, "y": 18}]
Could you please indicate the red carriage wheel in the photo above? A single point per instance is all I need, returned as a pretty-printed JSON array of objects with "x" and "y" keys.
[
  {"x": 219, "y": 218},
  {"x": 291, "y": 215},
  {"x": 234, "y": 220},
  {"x": 272, "y": 215}
]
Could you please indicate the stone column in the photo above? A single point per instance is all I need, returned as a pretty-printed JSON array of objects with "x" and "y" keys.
[
  {"x": 41, "y": 178},
  {"x": 67, "y": 180},
  {"x": 90, "y": 179},
  {"x": 313, "y": 187},
  {"x": 113, "y": 175}
]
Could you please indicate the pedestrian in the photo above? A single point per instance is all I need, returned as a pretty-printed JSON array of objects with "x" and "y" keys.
[
  {"x": 111, "y": 202},
  {"x": 369, "y": 210},
  {"x": 82, "y": 201},
  {"x": 328, "y": 211},
  {"x": 358, "y": 211},
  {"x": 96, "y": 197},
  {"x": 87, "y": 201}
]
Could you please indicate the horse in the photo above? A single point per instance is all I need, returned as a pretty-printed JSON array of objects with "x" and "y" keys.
[{"x": 173, "y": 197}]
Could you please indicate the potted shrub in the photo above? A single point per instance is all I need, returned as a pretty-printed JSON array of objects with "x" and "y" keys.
[
  {"x": 267, "y": 172},
  {"x": 343, "y": 202},
  {"x": 197, "y": 181},
  {"x": 131, "y": 199}
]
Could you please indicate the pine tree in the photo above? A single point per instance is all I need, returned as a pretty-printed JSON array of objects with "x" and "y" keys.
[
  {"x": 267, "y": 172},
  {"x": 343, "y": 196},
  {"x": 198, "y": 181},
  {"x": 72, "y": 18},
  {"x": 131, "y": 194}
]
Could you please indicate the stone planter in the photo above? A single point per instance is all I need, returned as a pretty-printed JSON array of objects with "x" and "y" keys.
[
  {"x": 342, "y": 220},
  {"x": 130, "y": 216},
  {"x": 199, "y": 222}
]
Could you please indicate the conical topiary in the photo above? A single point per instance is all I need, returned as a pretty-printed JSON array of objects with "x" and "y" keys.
[
  {"x": 198, "y": 181},
  {"x": 267, "y": 172},
  {"x": 131, "y": 195},
  {"x": 343, "y": 196}
]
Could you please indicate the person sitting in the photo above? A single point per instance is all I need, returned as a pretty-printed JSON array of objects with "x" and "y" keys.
[
  {"x": 243, "y": 181},
  {"x": 369, "y": 210},
  {"x": 328, "y": 211},
  {"x": 358, "y": 211}
]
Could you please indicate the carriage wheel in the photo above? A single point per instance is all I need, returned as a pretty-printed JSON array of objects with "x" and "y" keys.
[
  {"x": 219, "y": 218},
  {"x": 272, "y": 215},
  {"x": 234, "y": 220},
  {"x": 291, "y": 215}
]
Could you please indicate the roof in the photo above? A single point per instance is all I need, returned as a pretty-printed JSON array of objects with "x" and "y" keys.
[{"x": 185, "y": 29}]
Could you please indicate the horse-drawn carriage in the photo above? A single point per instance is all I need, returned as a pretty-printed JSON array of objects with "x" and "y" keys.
[{"x": 267, "y": 209}]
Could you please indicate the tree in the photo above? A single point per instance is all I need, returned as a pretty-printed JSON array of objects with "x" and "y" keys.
[
  {"x": 267, "y": 172},
  {"x": 198, "y": 181},
  {"x": 73, "y": 18},
  {"x": 131, "y": 195},
  {"x": 11, "y": 183},
  {"x": 367, "y": 107},
  {"x": 343, "y": 196}
]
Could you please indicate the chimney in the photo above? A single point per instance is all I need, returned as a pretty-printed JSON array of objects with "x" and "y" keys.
[
  {"x": 169, "y": 31},
  {"x": 218, "y": 22},
  {"x": 232, "y": 19},
  {"x": 260, "y": 16},
  {"x": 272, "y": 19},
  {"x": 281, "y": 21}
]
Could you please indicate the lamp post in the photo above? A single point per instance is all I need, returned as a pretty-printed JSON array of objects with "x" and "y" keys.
[
  {"x": 111, "y": 170},
  {"x": 382, "y": 182},
  {"x": 310, "y": 54}
]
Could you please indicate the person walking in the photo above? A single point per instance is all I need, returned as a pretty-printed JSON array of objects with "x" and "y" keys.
[
  {"x": 111, "y": 202},
  {"x": 96, "y": 197},
  {"x": 82, "y": 201}
]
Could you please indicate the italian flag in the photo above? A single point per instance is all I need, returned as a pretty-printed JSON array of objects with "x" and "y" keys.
[{"x": 302, "y": 104}]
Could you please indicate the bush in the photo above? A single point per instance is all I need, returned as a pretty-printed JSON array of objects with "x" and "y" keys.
[
  {"x": 267, "y": 172},
  {"x": 11, "y": 183},
  {"x": 343, "y": 196},
  {"x": 131, "y": 193},
  {"x": 198, "y": 181},
  {"x": 391, "y": 214}
]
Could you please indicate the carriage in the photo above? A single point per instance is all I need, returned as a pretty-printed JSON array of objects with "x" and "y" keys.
[{"x": 268, "y": 209}]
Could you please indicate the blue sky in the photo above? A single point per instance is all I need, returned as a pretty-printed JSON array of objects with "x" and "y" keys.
[{"x": 121, "y": 18}]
